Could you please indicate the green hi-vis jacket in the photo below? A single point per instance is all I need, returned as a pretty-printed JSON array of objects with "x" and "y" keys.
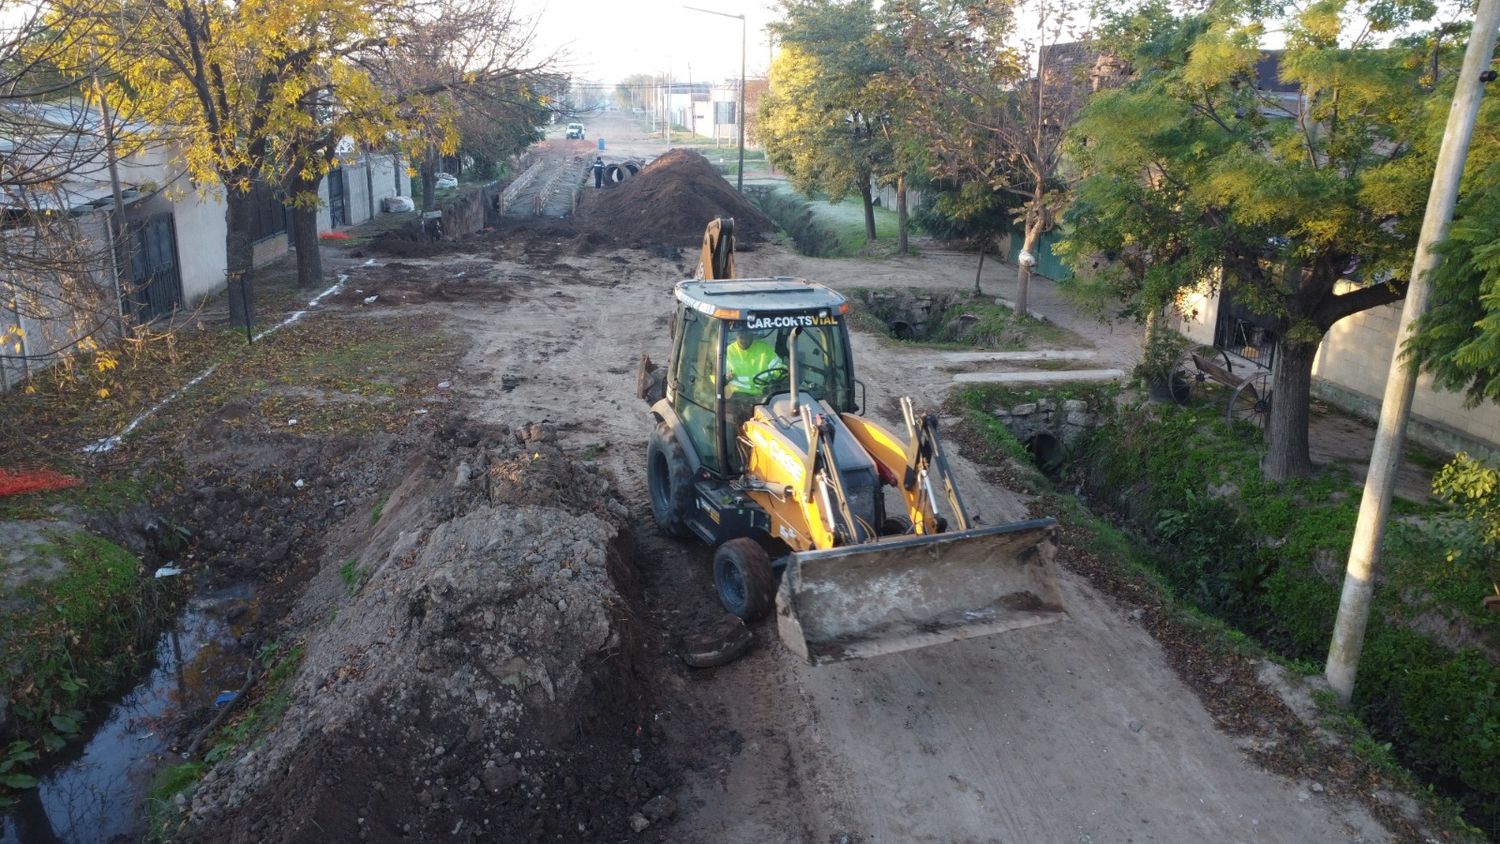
[{"x": 744, "y": 364}]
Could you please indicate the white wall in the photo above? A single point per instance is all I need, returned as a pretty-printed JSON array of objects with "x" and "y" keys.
[
  {"x": 378, "y": 173},
  {"x": 1351, "y": 368},
  {"x": 198, "y": 215}
]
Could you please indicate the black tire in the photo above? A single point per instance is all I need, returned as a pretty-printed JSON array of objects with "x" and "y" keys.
[
  {"x": 895, "y": 526},
  {"x": 669, "y": 482},
  {"x": 745, "y": 580}
]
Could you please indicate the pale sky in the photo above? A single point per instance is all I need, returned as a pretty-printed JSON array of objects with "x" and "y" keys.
[{"x": 606, "y": 42}]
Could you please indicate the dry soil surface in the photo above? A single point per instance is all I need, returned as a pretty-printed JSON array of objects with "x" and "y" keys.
[{"x": 1078, "y": 731}]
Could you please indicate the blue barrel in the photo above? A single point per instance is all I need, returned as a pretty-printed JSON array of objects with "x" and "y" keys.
[{"x": 601, "y": 145}]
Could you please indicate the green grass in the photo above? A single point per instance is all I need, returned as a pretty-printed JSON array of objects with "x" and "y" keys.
[
  {"x": 1265, "y": 560},
  {"x": 75, "y": 636},
  {"x": 353, "y": 576},
  {"x": 960, "y": 321},
  {"x": 162, "y": 816},
  {"x": 379, "y": 507},
  {"x": 273, "y": 697},
  {"x": 824, "y": 229}
]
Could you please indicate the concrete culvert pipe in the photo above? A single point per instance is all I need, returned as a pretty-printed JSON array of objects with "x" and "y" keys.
[
  {"x": 1046, "y": 451},
  {"x": 633, "y": 167},
  {"x": 613, "y": 174},
  {"x": 902, "y": 330}
]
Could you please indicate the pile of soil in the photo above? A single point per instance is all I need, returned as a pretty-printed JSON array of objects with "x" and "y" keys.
[
  {"x": 480, "y": 680},
  {"x": 671, "y": 201}
]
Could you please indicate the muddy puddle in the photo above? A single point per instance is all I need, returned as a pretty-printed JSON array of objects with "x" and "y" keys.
[{"x": 97, "y": 791}]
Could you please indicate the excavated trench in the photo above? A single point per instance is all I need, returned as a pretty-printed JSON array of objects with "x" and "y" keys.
[
  {"x": 453, "y": 607},
  {"x": 938, "y": 317},
  {"x": 478, "y": 672}
]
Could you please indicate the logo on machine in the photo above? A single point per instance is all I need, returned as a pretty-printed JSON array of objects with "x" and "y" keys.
[
  {"x": 779, "y": 453},
  {"x": 790, "y": 321}
]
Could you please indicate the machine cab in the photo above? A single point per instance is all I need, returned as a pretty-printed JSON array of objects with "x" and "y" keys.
[{"x": 732, "y": 350}]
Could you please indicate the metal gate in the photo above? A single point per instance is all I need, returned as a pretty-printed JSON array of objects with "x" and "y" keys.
[
  {"x": 155, "y": 280},
  {"x": 1245, "y": 334},
  {"x": 338, "y": 215}
]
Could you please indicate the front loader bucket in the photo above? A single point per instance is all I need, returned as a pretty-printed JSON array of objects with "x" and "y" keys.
[{"x": 903, "y": 593}]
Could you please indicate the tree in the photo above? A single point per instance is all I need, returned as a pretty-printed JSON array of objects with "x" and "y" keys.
[
  {"x": 1302, "y": 205},
  {"x": 60, "y": 292},
  {"x": 822, "y": 120},
  {"x": 634, "y": 91},
  {"x": 1458, "y": 339},
  {"x": 463, "y": 72},
  {"x": 230, "y": 80},
  {"x": 343, "y": 107},
  {"x": 990, "y": 121}
]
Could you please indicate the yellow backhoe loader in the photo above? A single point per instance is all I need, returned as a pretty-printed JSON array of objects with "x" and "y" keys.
[{"x": 778, "y": 470}]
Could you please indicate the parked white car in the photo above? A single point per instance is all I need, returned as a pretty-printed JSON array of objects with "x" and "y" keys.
[
  {"x": 446, "y": 181},
  {"x": 575, "y": 130}
]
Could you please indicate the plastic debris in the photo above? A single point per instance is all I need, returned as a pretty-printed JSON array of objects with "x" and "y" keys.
[
  {"x": 370, "y": 300},
  {"x": 443, "y": 385},
  {"x": 291, "y": 422},
  {"x": 225, "y": 697},
  {"x": 168, "y": 571},
  {"x": 299, "y": 483}
]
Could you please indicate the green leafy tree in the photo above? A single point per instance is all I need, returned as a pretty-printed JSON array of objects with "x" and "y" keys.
[
  {"x": 1302, "y": 206},
  {"x": 994, "y": 128},
  {"x": 824, "y": 119},
  {"x": 1458, "y": 339}
]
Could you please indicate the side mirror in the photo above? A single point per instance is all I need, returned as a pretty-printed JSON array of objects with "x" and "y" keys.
[{"x": 859, "y": 406}]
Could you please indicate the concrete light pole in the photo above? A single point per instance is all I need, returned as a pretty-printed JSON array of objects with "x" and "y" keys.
[
  {"x": 739, "y": 182},
  {"x": 1395, "y": 408}
]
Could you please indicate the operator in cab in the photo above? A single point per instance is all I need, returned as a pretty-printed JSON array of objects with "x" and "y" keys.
[{"x": 748, "y": 356}]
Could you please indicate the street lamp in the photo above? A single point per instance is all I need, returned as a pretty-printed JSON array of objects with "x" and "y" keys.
[{"x": 739, "y": 181}]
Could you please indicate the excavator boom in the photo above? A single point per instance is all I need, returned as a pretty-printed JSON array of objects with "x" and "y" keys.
[{"x": 716, "y": 260}]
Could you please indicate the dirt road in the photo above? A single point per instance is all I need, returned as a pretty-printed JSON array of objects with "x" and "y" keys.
[{"x": 1078, "y": 731}]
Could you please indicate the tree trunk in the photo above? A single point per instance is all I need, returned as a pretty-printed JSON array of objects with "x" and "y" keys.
[
  {"x": 309, "y": 248},
  {"x": 239, "y": 257},
  {"x": 979, "y": 271},
  {"x": 1291, "y": 395},
  {"x": 1023, "y": 274},
  {"x": 429, "y": 180},
  {"x": 869, "y": 198},
  {"x": 303, "y": 194},
  {"x": 901, "y": 220}
]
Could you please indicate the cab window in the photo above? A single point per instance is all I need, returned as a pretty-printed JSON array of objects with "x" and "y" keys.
[{"x": 696, "y": 394}]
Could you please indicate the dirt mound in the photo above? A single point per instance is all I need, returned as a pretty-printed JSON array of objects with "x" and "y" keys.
[
  {"x": 671, "y": 201},
  {"x": 478, "y": 680}
]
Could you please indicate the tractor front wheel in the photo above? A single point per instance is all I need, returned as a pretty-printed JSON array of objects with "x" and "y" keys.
[{"x": 744, "y": 577}]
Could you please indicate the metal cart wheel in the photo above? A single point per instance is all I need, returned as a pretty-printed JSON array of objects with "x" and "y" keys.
[{"x": 1251, "y": 401}]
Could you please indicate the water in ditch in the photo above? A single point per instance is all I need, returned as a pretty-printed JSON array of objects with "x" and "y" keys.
[{"x": 96, "y": 791}]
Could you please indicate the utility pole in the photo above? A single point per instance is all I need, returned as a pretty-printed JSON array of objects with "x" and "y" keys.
[
  {"x": 1395, "y": 408},
  {"x": 739, "y": 182}
]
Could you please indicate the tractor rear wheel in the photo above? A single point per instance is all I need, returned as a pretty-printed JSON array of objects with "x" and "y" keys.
[
  {"x": 745, "y": 579},
  {"x": 669, "y": 480}
]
